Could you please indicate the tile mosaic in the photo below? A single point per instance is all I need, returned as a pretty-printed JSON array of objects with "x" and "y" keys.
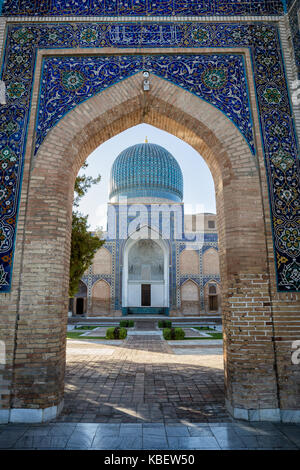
[
  {"x": 141, "y": 7},
  {"x": 276, "y": 119}
]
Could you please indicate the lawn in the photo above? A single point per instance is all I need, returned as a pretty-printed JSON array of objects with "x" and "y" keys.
[
  {"x": 211, "y": 336},
  {"x": 86, "y": 327},
  {"x": 77, "y": 335},
  {"x": 210, "y": 331}
]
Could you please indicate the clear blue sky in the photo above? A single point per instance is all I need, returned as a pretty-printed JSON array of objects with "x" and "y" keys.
[{"x": 198, "y": 186}]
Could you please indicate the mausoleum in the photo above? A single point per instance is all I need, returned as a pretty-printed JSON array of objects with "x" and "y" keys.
[{"x": 155, "y": 259}]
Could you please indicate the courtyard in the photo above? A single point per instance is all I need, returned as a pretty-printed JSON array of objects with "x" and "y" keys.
[
  {"x": 145, "y": 393},
  {"x": 144, "y": 379}
]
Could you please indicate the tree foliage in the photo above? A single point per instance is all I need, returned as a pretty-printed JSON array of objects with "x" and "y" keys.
[
  {"x": 83, "y": 184},
  {"x": 83, "y": 243}
]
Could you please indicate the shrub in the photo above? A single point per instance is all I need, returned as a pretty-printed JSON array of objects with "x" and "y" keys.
[
  {"x": 81, "y": 327},
  {"x": 164, "y": 324},
  {"x": 116, "y": 333},
  {"x": 173, "y": 333},
  {"x": 126, "y": 323},
  {"x": 122, "y": 333}
]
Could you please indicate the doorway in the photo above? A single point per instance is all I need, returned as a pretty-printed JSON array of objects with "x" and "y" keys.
[
  {"x": 146, "y": 295},
  {"x": 80, "y": 306},
  {"x": 213, "y": 299}
]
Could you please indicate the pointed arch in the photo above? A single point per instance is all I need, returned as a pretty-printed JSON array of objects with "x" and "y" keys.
[
  {"x": 131, "y": 293},
  {"x": 101, "y": 297},
  {"x": 240, "y": 194},
  {"x": 212, "y": 297},
  {"x": 190, "y": 291},
  {"x": 190, "y": 298},
  {"x": 82, "y": 289}
]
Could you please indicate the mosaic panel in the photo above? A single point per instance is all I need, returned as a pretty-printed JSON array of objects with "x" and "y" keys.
[
  {"x": 207, "y": 246},
  {"x": 97, "y": 277},
  {"x": 277, "y": 127},
  {"x": 141, "y": 7},
  {"x": 219, "y": 80},
  {"x": 212, "y": 277},
  {"x": 190, "y": 277}
]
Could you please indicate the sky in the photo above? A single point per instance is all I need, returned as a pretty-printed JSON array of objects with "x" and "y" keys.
[{"x": 198, "y": 185}]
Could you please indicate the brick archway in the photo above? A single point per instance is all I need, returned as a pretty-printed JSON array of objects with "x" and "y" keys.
[
  {"x": 101, "y": 297},
  {"x": 43, "y": 248},
  {"x": 190, "y": 297}
]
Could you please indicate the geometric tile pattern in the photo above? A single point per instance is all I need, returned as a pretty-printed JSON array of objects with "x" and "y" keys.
[
  {"x": 142, "y": 168},
  {"x": 141, "y": 7},
  {"x": 176, "y": 241},
  {"x": 209, "y": 241},
  {"x": 276, "y": 119},
  {"x": 219, "y": 80}
]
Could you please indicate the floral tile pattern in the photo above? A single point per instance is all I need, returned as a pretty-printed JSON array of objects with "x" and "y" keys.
[
  {"x": 219, "y": 79},
  {"x": 277, "y": 127}
]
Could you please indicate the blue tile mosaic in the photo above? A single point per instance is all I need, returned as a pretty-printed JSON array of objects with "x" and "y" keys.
[
  {"x": 143, "y": 170},
  {"x": 276, "y": 119},
  {"x": 218, "y": 79},
  {"x": 141, "y": 7}
]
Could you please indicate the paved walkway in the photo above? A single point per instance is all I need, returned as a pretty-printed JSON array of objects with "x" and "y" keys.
[
  {"x": 149, "y": 436},
  {"x": 142, "y": 380},
  {"x": 141, "y": 396}
]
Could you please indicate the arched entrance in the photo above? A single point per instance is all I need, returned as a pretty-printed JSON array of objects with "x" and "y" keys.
[
  {"x": 80, "y": 300},
  {"x": 212, "y": 297},
  {"x": 145, "y": 275},
  {"x": 101, "y": 298},
  {"x": 252, "y": 378},
  {"x": 190, "y": 298}
]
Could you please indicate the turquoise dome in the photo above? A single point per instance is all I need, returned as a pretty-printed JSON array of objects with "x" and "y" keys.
[{"x": 147, "y": 171}]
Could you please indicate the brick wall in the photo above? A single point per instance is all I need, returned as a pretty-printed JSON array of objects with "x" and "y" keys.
[
  {"x": 102, "y": 262},
  {"x": 211, "y": 262},
  {"x": 101, "y": 299},
  {"x": 189, "y": 262},
  {"x": 259, "y": 322}
]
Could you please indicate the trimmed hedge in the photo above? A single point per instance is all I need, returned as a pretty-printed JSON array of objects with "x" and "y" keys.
[
  {"x": 173, "y": 333},
  {"x": 116, "y": 333},
  {"x": 126, "y": 323},
  {"x": 164, "y": 324}
]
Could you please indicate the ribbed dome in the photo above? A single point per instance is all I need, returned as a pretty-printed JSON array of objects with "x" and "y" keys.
[{"x": 147, "y": 171}]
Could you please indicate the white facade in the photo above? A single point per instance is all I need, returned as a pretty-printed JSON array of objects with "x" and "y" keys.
[{"x": 154, "y": 271}]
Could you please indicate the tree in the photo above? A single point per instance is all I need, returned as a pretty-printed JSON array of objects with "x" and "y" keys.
[
  {"x": 83, "y": 243},
  {"x": 83, "y": 184}
]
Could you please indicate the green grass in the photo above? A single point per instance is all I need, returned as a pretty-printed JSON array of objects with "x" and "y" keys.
[
  {"x": 77, "y": 335},
  {"x": 86, "y": 327},
  {"x": 116, "y": 333},
  {"x": 211, "y": 336},
  {"x": 164, "y": 324},
  {"x": 173, "y": 333},
  {"x": 126, "y": 324},
  {"x": 203, "y": 328}
]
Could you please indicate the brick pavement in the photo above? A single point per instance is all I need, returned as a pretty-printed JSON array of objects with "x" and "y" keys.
[{"x": 141, "y": 380}]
